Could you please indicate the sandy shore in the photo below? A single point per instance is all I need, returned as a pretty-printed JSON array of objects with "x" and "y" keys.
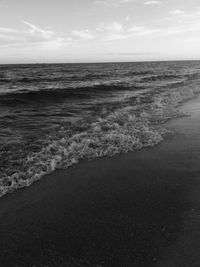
[{"x": 139, "y": 209}]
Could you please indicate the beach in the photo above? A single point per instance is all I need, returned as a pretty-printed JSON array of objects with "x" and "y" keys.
[
  {"x": 135, "y": 209},
  {"x": 99, "y": 133}
]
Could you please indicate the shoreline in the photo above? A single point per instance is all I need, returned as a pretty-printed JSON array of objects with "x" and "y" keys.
[
  {"x": 136, "y": 209},
  {"x": 137, "y": 124}
]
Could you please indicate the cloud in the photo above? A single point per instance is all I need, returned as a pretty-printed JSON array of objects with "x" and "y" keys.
[
  {"x": 112, "y": 31},
  {"x": 114, "y": 27},
  {"x": 142, "y": 31},
  {"x": 153, "y": 2},
  {"x": 177, "y": 12},
  {"x": 7, "y": 30},
  {"x": 136, "y": 31},
  {"x": 83, "y": 34},
  {"x": 129, "y": 54},
  {"x": 112, "y": 2},
  {"x": 36, "y": 30},
  {"x": 184, "y": 22},
  {"x": 117, "y": 31},
  {"x": 31, "y": 35},
  {"x": 114, "y": 37}
]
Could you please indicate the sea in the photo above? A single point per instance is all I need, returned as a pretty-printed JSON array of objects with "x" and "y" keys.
[{"x": 55, "y": 115}]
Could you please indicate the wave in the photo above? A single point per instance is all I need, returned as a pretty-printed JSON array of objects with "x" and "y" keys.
[
  {"x": 22, "y": 96},
  {"x": 126, "y": 129},
  {"x": 143, "y": 75},
  {"x": 161, "y": 77},
  {"x": 33, "y": 80},
  {"x": 59, "y": 77}
]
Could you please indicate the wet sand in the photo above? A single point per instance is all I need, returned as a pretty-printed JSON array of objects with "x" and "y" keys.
[{"x": 139, "y": 209}]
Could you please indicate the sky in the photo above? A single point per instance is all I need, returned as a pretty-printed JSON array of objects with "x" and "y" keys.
[{"x": 67, "y": 31}]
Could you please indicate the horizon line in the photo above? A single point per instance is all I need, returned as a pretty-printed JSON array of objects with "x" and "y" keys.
[{"x": 100, "y": 62}]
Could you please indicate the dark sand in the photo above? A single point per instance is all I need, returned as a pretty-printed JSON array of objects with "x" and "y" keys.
[{"x": 139, "y": 209}]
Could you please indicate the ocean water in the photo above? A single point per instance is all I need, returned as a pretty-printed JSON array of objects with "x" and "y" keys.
[{"x": 52, "y": 116}]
